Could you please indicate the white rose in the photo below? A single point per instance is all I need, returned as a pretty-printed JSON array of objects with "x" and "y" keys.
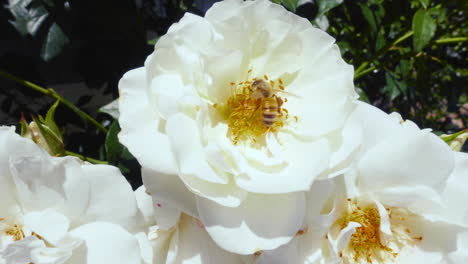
[
  {"x": 60, "y": 210},
  {"x": 195, "y": 120},
  {"x": 402, "y": 204},
  {"x": 169, "y": 236}
]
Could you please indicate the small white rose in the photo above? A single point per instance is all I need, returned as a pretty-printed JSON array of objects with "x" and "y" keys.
[
  {"x": 400, "y": 204},
  {"x": 61, "y": 210}
]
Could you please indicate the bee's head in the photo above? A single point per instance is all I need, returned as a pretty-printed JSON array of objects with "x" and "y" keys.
[{"x": 262, "y": 86}]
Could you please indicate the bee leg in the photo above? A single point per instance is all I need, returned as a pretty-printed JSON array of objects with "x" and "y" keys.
[
  {"x": 280, "y": 102},
  {"x": 256, "y": 112}
]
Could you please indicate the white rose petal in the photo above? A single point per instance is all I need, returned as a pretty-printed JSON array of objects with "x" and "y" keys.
[{"x": 184, "y": 241}]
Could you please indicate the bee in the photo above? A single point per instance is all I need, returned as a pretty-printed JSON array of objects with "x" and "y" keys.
[{"x": 270, "y": 104}]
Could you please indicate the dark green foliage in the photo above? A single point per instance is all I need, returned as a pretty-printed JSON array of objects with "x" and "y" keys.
[
  {"x": 118, "y": 155},
  {"x": 30, "y": 18},
  {"x": 54, "y": 42},
  {"x": 409, "y": 56}
]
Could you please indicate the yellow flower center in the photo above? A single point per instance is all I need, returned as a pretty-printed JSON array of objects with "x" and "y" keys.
[
  {"x": 254, "y": 108},
  {"x": 16, "y": 231},
  {"x": 365, "y": 245}
]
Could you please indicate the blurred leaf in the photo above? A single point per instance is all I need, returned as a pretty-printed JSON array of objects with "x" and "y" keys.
[
  {"x": 394, "y": 87},
  {"x": 424, "y": 3},
  {"x": 111, "y": 109},
  {"x": 290, "y": 4},
  {"x": 403, "y": 68},
  {"x": 438, "y": 13},
  {"x": 116, "y": 152},
  {"x": 362, "y": 95},
  {"x": 374, "y": 15},
  {"x": 424, "y": 28},
  {"x": 380, "y": 41},
  {"x": 153, "y": 42},
  {"x": 29, "y": 16},
  {"x": 457, "y": 140},
  {"x": 344, "y": 46},
  {"x": 326, "y": 5},
  {"x": 53, "y": 43}
]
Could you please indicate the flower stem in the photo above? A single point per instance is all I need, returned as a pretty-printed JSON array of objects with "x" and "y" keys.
[
  {"x": 53, "y": 94},
  {"x": 94, "y": 161},
  {"x": 364, "y": 72},
  {"x": 451, "y": 40}
]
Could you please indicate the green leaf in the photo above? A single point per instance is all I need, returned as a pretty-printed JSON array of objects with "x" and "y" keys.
[
  {"x": 29, "y": 16},
  {"x": 116, "y": 153},
  {"x": 424, "y": 28},
  {"x": 326, "y": 5},
  {"x": 380, "y": 41},
  {"x": 290, "y": 4},
  {"x": 112, "y": 144},
  {"x": 50, "y": 118},
  {"x": 24, "y": 126},
  {"x": 424, "y": 3},
  {"x": 114, "y": 150},
  {"x": 438, "y": 13},
  {"x": 394, "y": 87},
  {"x": 374, "y": 15},
  {"x": 53, "y": 43},
  {"x": 362, "y": 95},
  {"x": 403, "y": 69},
  {"x": 153, "y": 42},
  {"x": 457, "y": 140},
  {"x": 47, "y": 139}
]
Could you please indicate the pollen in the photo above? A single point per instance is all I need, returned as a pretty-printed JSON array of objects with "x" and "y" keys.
[
  {"x": 15, "y": 231},
  {"x": 365, "y": 245},
  {"x": 244, "y": 113}
]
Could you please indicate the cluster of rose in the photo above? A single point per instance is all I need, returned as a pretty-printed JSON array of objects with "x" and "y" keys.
[{"x": 254, "y": 149}]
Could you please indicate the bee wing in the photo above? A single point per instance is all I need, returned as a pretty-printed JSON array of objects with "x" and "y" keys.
[{"x": 286, "y": 93}]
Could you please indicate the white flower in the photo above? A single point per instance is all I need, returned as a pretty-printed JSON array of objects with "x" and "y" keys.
[
  {"x": 169, "y": 236},
  {"x": 194, "y": 120},
  {"x": 402, "y": 204},
  {"x": 59, "y": 210}
]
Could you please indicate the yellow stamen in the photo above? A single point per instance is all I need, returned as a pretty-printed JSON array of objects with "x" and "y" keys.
[
  {"x": 244, "y": 114},
  {"x": 16, "y": 231},
  {"x": 365, "y": 245}
]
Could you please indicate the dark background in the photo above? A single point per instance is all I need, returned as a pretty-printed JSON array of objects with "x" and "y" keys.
[{"x": 81, "y": 49}]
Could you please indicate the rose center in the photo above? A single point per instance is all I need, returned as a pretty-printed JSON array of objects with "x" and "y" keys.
[
  {"x": 255, "y": 107},
  {"x": 366, "y": 244}
]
